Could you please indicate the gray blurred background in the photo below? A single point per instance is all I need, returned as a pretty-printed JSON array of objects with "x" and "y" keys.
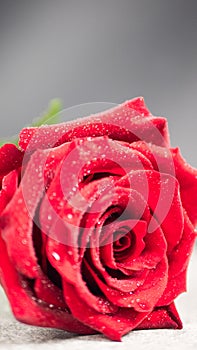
[{"x": 112, "y": 50}]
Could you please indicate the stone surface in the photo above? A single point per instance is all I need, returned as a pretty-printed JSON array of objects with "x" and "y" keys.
[{"x": 14, "y": 335}]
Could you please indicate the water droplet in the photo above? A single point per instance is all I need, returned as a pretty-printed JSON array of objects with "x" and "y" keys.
[
  {"x": 69, "y": 216},
  {"x": 24, "y": 284},
  {"x": 142, "y": 305},
  {"x": 56, "y": 256},
  {"x": 44, "y": 282},
  {"x": 49, "y": 217}
]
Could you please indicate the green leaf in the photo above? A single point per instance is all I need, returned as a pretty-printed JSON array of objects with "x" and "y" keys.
[
  {"x": 51, "y": 115},
  {"x": 13, "y": 140},
  {"x": 48, "y": 117}
]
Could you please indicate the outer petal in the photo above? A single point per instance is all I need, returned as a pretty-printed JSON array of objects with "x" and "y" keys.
[
  {"x": 113, "y": 326},
  {"x": 46, "y": 291},
  {"x": 170, "y": 161},
  {"x": 130, "y": 121},
  {"x": 178, "y": 263},
  {"x": 25, "y": 306},
  {"x": 163, "y": 317},
  {"x": 17, "y": 219},
  {"x": 160, "y": 157},
  {"x": 187, "y": 177},
  {"x": 10, "y": 159},
  {"x": 9, "y": 186}
]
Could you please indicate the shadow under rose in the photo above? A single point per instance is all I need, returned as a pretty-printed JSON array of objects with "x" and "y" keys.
[{"x": 13, "y": 332}]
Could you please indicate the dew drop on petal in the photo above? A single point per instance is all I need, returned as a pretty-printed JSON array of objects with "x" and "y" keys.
[
  {"x": 56, "y": 256},
  {"x": 142, "y": 305},
  {"x": 24, "y": 241}
]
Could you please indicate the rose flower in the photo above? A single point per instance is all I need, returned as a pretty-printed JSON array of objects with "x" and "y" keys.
[{"x": 97, "y": 223}]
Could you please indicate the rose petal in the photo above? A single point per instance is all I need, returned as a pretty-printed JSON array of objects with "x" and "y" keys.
[
  {"x": 9, "y": 186},
  {"x": 160, "y": 157},
  {"x": 64, "y": 261},
  {"x": 17, "y": 219},
  {"x": 45, "y": 290},
  {"x": 128, "y": 122},
  {"x": 164, "y": 317},
  {"x": 180, "y": 256},
  {"x": 68, "y": 262},
  {"x": 25, "y": 306},
  {"x": 170, "y": 161},
  {"x": 138, "y": 298},
  {"x": 10, "y": 159},
  {"x": 139, "y": 106},
  {"x": 154, "y": 251},
  {"x": 178, "y": 263},
  {"x": 133, "y": 250},
  {"x": 187, "y": 177},
  {"x": 161, "y": 191},
  {"x": 113, "y": 326},
  {"x": 135, "y": 207}
]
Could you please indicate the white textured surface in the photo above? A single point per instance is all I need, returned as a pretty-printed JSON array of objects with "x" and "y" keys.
[{"x": 14, "y": 335}]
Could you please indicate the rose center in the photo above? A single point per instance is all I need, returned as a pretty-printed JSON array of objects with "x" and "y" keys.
[{"x": 124, "y": 241}]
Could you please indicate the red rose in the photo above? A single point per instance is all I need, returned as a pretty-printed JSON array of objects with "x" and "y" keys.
[{"x": 97, "y": 223}]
